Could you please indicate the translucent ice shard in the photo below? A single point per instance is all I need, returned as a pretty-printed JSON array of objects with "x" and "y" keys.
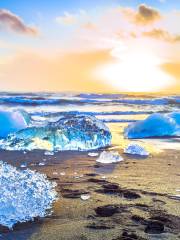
[
  {"x": 24, "y": 195},
  {"x": 156, "y": 125},
  {"x": 74, "y": 132},
  {"x": 12, "y": 121},
  {"x": 136, "y": 150},
  {"x": 109, "y": 157}
]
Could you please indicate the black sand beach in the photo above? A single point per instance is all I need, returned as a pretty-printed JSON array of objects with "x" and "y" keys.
[{"x": 134, "y": 199}]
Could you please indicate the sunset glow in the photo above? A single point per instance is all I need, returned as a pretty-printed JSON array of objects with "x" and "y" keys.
[
  {"x": 135, "y": 72},
  {"x": 106, "y": 46}
]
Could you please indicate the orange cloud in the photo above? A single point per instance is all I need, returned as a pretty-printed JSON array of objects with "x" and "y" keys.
[
  {"x": 143, "y": 16},
  {"x": 161, "y": 35},
  {"x": 89, "y": 26},
  {"x": 70, "y": 72},
  {"x": 173, "y": 68},
  {"x": 8, "y": 20}
]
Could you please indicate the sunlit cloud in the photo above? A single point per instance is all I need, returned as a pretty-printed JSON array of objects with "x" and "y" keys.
[
  {"x": 162, "y": 35},
  {"x": 144, "y": 14},
  {"x": 10, "y": 21},
  {"x": 89, "y": 26}
]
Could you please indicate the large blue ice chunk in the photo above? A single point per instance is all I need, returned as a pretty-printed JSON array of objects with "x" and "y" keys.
[
  {"x": 24, "y": 195},
  {"x": 74, "y": 132},
  {"x": 12, "y": 121},
  {"x": 156, "y": 125}
]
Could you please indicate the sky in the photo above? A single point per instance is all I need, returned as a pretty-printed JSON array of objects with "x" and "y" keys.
[{"x": 90, "y": 46}]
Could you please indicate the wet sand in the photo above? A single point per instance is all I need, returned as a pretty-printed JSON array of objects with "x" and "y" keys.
[
  {"x": 138, "y": 191},
  {"x": 134, "y": 199}
]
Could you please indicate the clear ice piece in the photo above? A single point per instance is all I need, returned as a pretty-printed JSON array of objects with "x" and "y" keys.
[
  {"x": 136, "y": 149},
  {"x": 24, "y": 195},
  {"x": 75, "y": 132},
  {"x": 109, "y": 157}
]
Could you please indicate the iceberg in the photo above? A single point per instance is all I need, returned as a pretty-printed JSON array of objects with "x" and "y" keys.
[
  {"x": 74, "y": 132},
  {"x": 12, "y": 121},
  {"x": 109, "y": 157},
  {"x": 136, "y": 150},
  {"x": 156, "y": 125},
  {"x": 25, "y": 194}
]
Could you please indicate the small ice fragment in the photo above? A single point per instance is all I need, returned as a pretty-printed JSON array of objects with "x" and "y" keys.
[
  {"x": 24, "y": 152},
  {"x": 93, "y": 154},
  {"x": 177, "y": 190},
  {"x": 75, "y": 173},
  {"x": 41, "y": 164},
  {"x": 55, "y": 173},
  {"x": 103, "y": 177},
  {"x": 85, "y": 197},
  {"x": 136, "y": 150},
  {"x": 109, "y": 157},
  {"x": 62, "y": 173},
  {"x": 23, "y": 165},
  {"x": 48, "y": 153}
]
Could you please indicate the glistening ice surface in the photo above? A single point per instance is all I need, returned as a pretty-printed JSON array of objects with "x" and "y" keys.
[
  {"x": 73, "y": 132},
  {"x": 156, "y": 125},
  {"x": 24, "y": 195}
]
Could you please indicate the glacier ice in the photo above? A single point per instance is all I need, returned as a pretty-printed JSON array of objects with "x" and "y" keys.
[
  {"x": 25, "y": 194},
  {"x": 93, "y": 154},
  {"x": 12, "y": 121},
  {"x": 156, "y": 125},
  {"x": 75, "y": 132},
  {"x": 109, "y": 157},
  {"x": 85, "y": 197},
  {"x": 136, "y": 149}
]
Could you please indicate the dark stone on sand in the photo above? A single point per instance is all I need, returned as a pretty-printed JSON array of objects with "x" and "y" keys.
[
  {"x": 154, "y": 227},
  {"x": 69, "y": 193},
  {"x": 91, "y": 174},
  {"x": 139, "y": 220},
  {"x": 170, "y": 221},
  {"x": 95, "y": 180},
  {"x": 107, "y": 210},
  {"x": 141, "y": 205},
  {"x": 128, "y": 236},
  {"x": 113, "y": 188},
  {"x": 100, "y": 226},
  {"x": 131, "y": 195}
]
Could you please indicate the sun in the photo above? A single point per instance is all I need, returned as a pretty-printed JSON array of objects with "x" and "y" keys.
[{"x": 135, "y": 72}]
